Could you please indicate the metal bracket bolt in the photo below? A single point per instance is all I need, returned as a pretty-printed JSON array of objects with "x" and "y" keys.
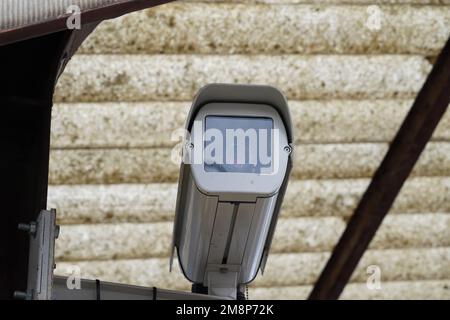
[
  {"x": 31, "y": 228},
  {"x": 57, "y": 230},
  {"x": 21, "y": 295},
  {"x": 28, "y": 227}
]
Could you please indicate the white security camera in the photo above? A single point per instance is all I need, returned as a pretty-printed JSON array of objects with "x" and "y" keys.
[{"x": 236, "y": 163}]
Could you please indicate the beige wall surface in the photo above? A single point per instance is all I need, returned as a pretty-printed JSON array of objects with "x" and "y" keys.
[{"x": 350, "y": 71}]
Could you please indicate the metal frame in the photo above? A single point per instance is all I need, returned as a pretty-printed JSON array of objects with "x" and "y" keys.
[
  {"x": 41, "y": 261},
  {"x": 32, "y": 58},
  {"x": 42, "y": 285},
  {"x": 29, "y": 72},
  {"x": 96, "y": 290}
]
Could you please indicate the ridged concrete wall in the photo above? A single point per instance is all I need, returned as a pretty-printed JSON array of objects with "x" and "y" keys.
[{"x": 349, "y": 87}]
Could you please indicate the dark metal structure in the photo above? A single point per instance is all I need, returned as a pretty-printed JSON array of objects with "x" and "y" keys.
[{"x": 32, "y": 58}]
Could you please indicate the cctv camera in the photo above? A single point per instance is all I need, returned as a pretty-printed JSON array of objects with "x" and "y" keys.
[{"x": 236, "y": 162}]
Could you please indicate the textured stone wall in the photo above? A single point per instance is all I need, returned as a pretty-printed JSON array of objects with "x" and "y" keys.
[{"x": 349, "y": 82}]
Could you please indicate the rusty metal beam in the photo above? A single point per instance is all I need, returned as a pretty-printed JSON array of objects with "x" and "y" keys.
[{"x": 411, "y": 139}]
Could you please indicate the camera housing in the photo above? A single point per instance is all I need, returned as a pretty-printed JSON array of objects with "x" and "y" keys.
[{"x": 237, "y": 158}]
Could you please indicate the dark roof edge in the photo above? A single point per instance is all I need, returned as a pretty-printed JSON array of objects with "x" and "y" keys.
[{"x": 105, "y": 12}]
